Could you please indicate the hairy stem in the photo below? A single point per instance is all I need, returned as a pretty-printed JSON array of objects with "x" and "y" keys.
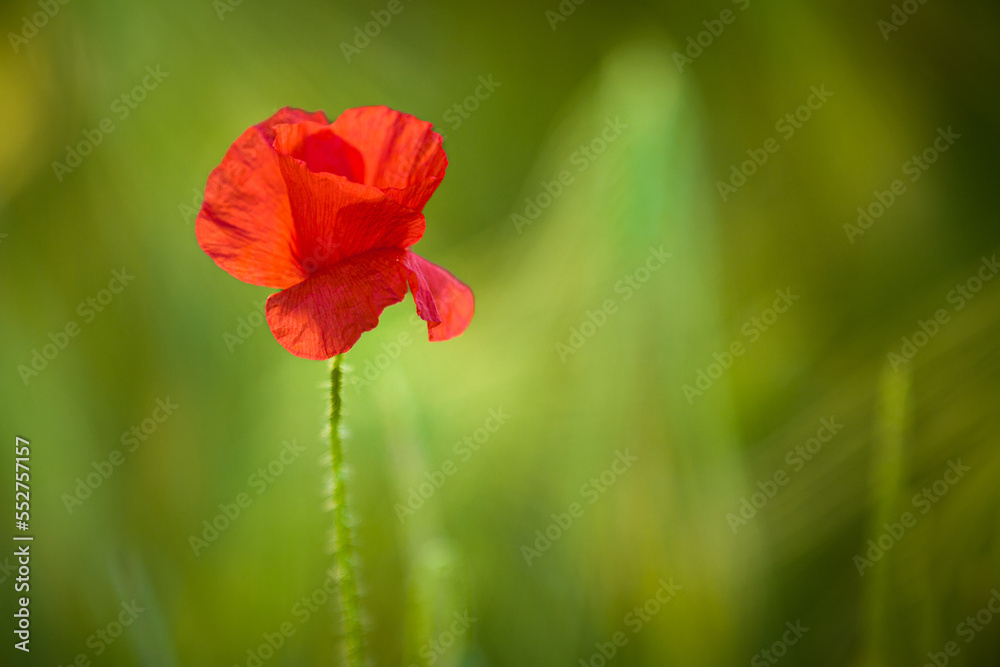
[{"x": 344, "y": 557}]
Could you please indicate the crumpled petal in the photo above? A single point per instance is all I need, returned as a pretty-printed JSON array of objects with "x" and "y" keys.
[
  {"x": 333, "y": 217},
  {"x": 245, "y": 224},
  {"x": 325, "y": 315},
  {"x": 402, "y": 154},
  {"x": 444, "y": 301},
  {"x": 321, "y": 149},
  {"x": 327, "y": 214}
]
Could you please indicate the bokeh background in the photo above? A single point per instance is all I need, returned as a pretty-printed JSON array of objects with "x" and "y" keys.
[{"x": 185, "y": 332}]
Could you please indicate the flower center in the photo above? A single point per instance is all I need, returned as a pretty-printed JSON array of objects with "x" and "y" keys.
[{"x": 320, "y": 149}]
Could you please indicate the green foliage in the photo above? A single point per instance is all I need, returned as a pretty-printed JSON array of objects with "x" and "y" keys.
[{"x": 659, "y": 388}]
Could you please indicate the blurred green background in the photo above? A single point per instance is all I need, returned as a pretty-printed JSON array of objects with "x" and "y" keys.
[{"x": 728, "y": 498}]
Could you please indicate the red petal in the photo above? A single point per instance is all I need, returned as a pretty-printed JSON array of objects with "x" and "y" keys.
[
  {"x": 444, "y": 301},
  {"x": 334, "y": 217},
  {"x": 245, "y": 224},
  {"x": 325, "y": 315},
  {"x": 321, "y": 149},
  {"x": 401, "y": 154},
  {"x": 290, "y": 115}
]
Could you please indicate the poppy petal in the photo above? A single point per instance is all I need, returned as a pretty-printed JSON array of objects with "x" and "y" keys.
[
  {"x": 334, "y": 217},
  {"x": 321, "y": 149},
  {"x": 287, "y": 115},
  {"x": 325, "y": 315},
  {"x": 245, "y": 224},
  {"x": 402, "y": 155},
  {"x": 444, "y": 301}
]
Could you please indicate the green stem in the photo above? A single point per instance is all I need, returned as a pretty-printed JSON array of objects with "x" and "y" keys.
[{"x": 344, "y": 558}]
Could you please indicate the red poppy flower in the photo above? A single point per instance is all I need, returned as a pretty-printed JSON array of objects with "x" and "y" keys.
[{"x": 327, "y": 213}]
